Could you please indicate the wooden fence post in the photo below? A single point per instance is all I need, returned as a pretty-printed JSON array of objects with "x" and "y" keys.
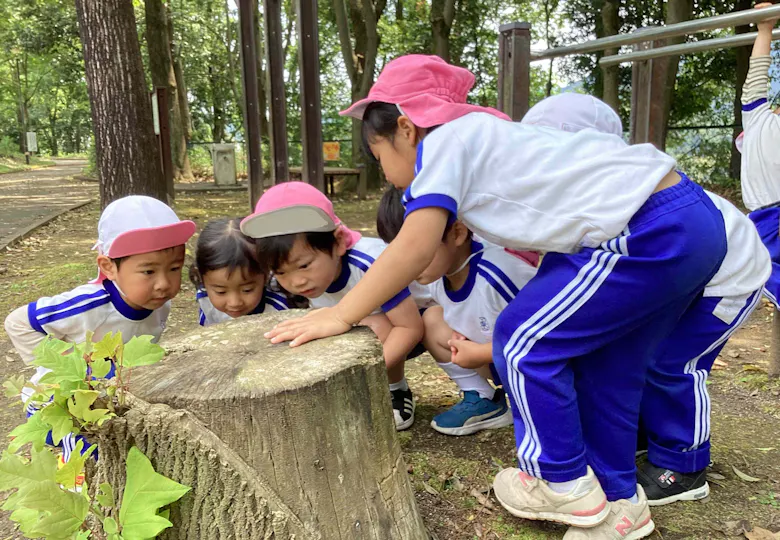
[
  {"x": 647, "y": 113},
  {"x": 514, "y": 69},
  {"x": 311, "y": 110},
  {"x": 280, "y": 171}
]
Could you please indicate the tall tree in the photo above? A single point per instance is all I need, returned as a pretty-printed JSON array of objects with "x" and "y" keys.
[
  {"x": 360, "y": 61},
  {"x": 128, "y": 157},
  {"x": 180, "y": 134},
  {"x": 743, "y": 64},
  {"x": 442, "y": 16},
  {"x": 610, "y": 21}
]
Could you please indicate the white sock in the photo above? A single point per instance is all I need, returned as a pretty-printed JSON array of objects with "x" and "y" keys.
[
  {"x": 562, "y": 487},
  {"x": 400, "y": 385},
  {"x": 634, "y": 499},
  {"x": 469, "y": 379}
]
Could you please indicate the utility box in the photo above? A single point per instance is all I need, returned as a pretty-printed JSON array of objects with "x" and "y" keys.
[{"x": 223, "y": 157}]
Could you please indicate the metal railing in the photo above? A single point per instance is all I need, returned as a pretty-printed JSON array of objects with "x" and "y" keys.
[{"x": 728, "y": 20}]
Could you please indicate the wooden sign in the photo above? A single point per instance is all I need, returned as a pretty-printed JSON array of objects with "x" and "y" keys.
[{"x": 331, "y": 151}]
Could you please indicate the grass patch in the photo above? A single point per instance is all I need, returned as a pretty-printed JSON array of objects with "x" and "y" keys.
[{"x": 17, "y": 163}]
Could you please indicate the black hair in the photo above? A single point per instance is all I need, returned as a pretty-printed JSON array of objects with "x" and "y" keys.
[
  {"x": 221, "y": 244},
  {"x": 275, "y": 250},
  {"x": 379, "y": 120},
  {"x": 390, "y": 215}
]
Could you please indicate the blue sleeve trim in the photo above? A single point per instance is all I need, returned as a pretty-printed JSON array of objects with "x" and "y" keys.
[
  {"x": 201, "y": 318},
  {"x": 754, "y": 105},
  {"x": 360, "y": 255},
  {"x": 32, "y": 316},
  {"x": 418, "y": 162},
  {"x": 433, "y": 200},
  {"x": 70, "y": 302},
  {"x": 278, "y": 298},
  {"x": 201, "y": 293},
  {"x": 490, "y": 279},
  {"x": 73, "y": 312},
  {"x": 357, "y": 262},
  {"x": 508, "y": 283},
  {"x": 395, "y": 300}
]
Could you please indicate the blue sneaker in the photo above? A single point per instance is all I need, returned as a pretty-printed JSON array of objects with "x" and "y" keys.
[{"x": 473, "y": 414}]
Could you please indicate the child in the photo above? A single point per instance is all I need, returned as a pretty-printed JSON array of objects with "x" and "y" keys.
[
  {"x": 140, "y": 256},
  {"x": 472, "y": 282},
  {"x": 312, "y": 254},
  {"x": 675, "y": 404},
  {"x": 231, "y": 281},
  {"x": 759, "y": 145},
  {"x": 629, "y": 245}
]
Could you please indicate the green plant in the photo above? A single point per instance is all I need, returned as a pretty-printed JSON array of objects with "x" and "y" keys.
[
  {"x": 47, "y": 502},
  {"x": 8, "y": 148}
]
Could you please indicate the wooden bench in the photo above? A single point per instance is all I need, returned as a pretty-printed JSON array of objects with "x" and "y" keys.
[{"x": 330, "y": 175}]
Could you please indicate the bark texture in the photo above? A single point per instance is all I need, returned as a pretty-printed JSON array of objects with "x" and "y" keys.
[
  {"x": 611, "y": 75},
  {"x": 275, "y": 442},
  {"x": 128, "y": 157}
]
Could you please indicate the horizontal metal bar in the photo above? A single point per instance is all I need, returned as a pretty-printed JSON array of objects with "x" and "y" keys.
[
  {"x": 684, "y": 48},
  {"x": 738, "y": 18}
]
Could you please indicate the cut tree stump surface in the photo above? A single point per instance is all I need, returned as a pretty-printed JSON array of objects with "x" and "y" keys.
[{"x": 313, "y": 424}]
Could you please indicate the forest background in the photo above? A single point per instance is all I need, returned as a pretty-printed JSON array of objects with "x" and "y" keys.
[{"x": 192, "y": 46}]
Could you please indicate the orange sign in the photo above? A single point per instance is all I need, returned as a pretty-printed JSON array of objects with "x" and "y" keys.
[{"x": 331, "y": 151}]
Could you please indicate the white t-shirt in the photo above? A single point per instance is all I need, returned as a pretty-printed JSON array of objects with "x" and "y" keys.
[
  {"x": 535, "y": 188},
  {"x": 747, "y": 264},
  {"x": 208, "y": 314},
  {"x": 354, "y": 265},
  {"x": 494, "y": 279}
]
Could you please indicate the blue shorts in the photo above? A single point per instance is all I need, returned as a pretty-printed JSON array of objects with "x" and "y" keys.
[{"x": 767, "y": 221}]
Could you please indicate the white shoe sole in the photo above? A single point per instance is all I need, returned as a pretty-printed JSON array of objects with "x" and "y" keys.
[
  {"x": 491, "y": 423},
  {"x": 584, "y": 522},
  {"x": 642, "y": 532},
  {"x": 692, "y": 495},
  {"x": 405, "y": 425}
]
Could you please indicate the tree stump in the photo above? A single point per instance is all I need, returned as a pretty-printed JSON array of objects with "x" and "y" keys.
[{"x": 276, "y": 443}]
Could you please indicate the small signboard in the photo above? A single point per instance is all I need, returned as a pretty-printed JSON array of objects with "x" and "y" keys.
[
  {"x": 155, "y": 113},
  {"x": 32, "y": 141},
  {"x": 331, "y": 151}
]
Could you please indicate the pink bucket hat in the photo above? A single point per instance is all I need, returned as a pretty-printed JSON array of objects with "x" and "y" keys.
[
  {"x": 426, "y": 89},
  {"x": 292, "y": 208},
  {"x": 574, "y": 112},
  {"x": 139, "y": 224}
]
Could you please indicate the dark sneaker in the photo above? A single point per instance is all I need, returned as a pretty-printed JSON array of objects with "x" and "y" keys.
[
  {"x": 473, "y": 414},
  {"x": 403, "y": 409},
  {"x": 641, "y": 446},
  {"x": 663, "y": 486}
]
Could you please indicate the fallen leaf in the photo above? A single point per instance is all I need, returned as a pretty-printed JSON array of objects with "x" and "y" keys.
[
  {"x": 759, "y": 534},
  {"x": 9, "y": 359},
  {"x": 733, "y": 528},
  {"x": 430, "y": 489},
  {"x": 744, "y": 476},
  {"x": 481, "y": 499},
  {"x": 478, "y": 530},
  {"x": 715, "y": 476},
  {"x": 719, "y": 364},
  {"x": 766, "y": 449},
  {"x": 733, "y": 354}
]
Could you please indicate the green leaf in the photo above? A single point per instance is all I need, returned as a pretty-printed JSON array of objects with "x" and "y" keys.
[
  {"x": 13, "y": 386},
  {"x": 140, "y": 351},
  {"x": 58, "y": 419},
  {"x": 145, "y": 493},
  {"x": 105, "y": 496},
  {"x": 27, "y": 518},
  {"x": 67, "y": 475},
  {"x": 17, "y": 473},
  {"x": 110, "y": 526},
  {"x": 79, "y": 404},
  {"x": 71, "y": 367},
  {"x": 66, "y": 510},
  {"x": 83, "y": 535},
  {"x": 68, "y": 388},
  {"x": 107, "y": 347},
  {"x": 34, "y": 431},
  {"x": 100, "y": 367}
]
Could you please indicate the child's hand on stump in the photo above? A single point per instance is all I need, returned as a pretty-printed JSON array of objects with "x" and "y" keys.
[{"x": 318, "y": 324}]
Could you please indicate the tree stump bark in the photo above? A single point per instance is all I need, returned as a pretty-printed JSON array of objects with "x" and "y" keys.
[{"x": 275, "y": 442}]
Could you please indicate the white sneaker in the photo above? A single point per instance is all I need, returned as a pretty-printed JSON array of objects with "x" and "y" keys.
[
  {"x": 626, "y": 521},
  {"x": 531, "y": 498}
]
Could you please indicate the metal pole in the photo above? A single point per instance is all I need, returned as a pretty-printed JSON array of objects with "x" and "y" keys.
[
  {"x": 685, "y": 48},
  {"x": 311, "y": 111},
  {"x": 515, "y": 69},
  {"x": 254, "y": 163},
  {"x": 275, "y": 83},
  {"x": 680, "y": 29}
]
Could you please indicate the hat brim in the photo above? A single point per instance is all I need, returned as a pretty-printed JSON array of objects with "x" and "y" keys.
[
  {"x": 151, "y": 239},
  {"x": 288, "y": 220}
]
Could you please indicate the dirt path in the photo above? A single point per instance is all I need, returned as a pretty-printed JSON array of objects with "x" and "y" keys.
[
  {"x": 451, "y": 474},
  {"x": 31, "y": 196}
]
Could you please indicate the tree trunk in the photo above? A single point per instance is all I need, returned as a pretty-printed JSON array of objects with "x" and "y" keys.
[
  {"x": 442, "y": 17},
  {"x": 217, "y": 105},
  {"x": 742, "y": 66},
  {"x": 262, "y": 83},
  {"x": 21, "y": 109},
  {"x": 180, "y": 134},
  {"x": 676, "y": 11},
  {"x": 611, "y": 75},
  {"x": 274, "y": 441},
  {"x": 128, "y": 157}
]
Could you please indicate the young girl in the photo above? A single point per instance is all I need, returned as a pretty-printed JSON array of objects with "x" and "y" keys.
[
  {"x": 312, "y": 254},
  {"x": 230, "y": 280},
  {"x": 629, "y": 245}
]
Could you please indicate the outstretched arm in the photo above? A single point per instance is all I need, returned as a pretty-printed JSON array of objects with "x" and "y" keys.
[{"x": 763, "y": 43}]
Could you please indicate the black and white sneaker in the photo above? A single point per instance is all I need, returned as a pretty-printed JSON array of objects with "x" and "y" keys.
[
  {"x": 403, "y": 409},
  {"x": 663, "y": 486}
]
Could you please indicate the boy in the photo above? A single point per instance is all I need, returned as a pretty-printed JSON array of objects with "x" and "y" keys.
[
  {"x": 312, "y": 254},
  {"x": 140, "y": 256},
  {"x": 472, "y": 282}
]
